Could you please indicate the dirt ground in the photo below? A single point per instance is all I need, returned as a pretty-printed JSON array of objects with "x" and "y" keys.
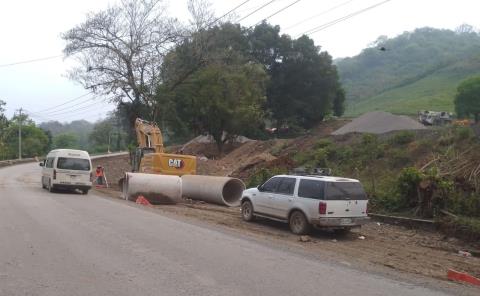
[{"x": 394, "y": 247}]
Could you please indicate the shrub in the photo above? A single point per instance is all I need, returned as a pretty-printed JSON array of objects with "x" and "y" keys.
[
  {"x": 262, "y": 175},
  {"x": 463, "y": 133},
  {"x": 407, "y": 184},
  {"x": 302, "y": 158},
  {"x": 403, "y": 138},
  {"x": 323, "y": 143},
  {"x": 399, "y": 158},
  {"x": 320, "y": 157}
]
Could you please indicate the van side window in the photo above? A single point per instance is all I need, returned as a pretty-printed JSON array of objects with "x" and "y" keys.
[
  {"x": 49, "y": 162},
  {"x": 271, "y": 185},
  {"x": 311, "y": 189},
  {"x": 287, "y": 185}
]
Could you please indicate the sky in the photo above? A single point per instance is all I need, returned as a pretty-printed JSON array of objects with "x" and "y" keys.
[{"x": 31, "y": 29}]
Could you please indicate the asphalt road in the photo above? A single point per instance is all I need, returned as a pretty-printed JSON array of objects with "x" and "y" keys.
[{"x": 71, "y": 244}]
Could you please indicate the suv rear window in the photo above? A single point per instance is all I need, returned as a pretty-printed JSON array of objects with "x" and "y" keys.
[
  {"x": 345, "y": 191},
  {"x": 78, "y": 164},
  {"x": 311, "y": 189}
]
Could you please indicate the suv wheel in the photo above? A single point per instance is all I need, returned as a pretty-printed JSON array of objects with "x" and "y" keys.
[
  {"x": 298, "y": 223},
  {"x": 247, "y": 211}
]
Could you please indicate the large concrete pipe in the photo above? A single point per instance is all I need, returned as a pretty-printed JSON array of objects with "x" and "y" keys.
[
  {"x": 218, "y": 190},
  {"x": 157, "y": 189}
]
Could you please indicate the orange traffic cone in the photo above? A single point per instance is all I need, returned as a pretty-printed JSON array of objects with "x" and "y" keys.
[{"x": 141, "y": 200}]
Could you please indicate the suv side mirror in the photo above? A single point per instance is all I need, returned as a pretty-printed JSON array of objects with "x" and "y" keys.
[
  {"x": 260, "y": 187},
  {"x": 41, "y": 164}
]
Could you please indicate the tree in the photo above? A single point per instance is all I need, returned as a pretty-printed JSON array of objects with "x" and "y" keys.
[
  {"x": 339, "y": 102},
  {"x": 66, "y": 141},
  {"x": 304, "y": 85},
  {"x": 34, "y": 140},
  {"x": 467, "y": 99},
  {"x": 3, "y": 129},
  {"x": 121, "y": 50},
  {"x": 223, "y": 100}
]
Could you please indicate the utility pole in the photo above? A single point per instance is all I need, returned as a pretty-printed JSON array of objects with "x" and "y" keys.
[{"x": 20, "y": 133}]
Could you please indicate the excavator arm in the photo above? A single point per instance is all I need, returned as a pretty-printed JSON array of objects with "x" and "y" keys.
[{"x": 148, "y": 135}]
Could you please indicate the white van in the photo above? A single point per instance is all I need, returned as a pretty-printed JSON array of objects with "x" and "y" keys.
[{"x": 67, "y": 169}]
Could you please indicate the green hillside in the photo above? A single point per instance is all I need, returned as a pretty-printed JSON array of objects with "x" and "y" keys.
[{"x": 419, "y": 70}]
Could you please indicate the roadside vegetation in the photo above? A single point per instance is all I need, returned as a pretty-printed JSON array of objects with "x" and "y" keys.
[
  {"x": 37, "y": 140},
  {"x": 432, "y": 174}
]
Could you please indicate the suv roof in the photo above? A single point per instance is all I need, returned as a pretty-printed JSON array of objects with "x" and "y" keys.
[{"x": 323, "y": 178}]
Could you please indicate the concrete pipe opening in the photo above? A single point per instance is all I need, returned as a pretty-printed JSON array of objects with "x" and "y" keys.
[
  {"x": 224, "y": 191},
  {"x": 232, "y": 191}
]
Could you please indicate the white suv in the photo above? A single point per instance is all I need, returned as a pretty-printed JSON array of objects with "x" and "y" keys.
[{"x": 326, "y": 202}]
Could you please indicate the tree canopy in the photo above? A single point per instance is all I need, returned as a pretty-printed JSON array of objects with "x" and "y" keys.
[
  {"x": 244, "y": 76},
  {"x": 121, "y": 49},
  {"x": 467, "y": 100}
]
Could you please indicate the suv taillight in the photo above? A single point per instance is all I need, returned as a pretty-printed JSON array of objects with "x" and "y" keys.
[
  {"x": 54, "y": 174},
  {"x": 322, "y": 208}
]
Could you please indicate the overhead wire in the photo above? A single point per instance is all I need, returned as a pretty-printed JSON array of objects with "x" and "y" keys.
[
  {"x": 256, "y": 10},
  {"x": 319, "y": 14},
  {"x": 344, "y": 18},
  {"x": 72, "y": 106},
  {"x": 31, "y": 61},
  {"x": 230, "y": 11},
  {"x": 67, "y": 102},
  {"x": 277, "y": 12}
]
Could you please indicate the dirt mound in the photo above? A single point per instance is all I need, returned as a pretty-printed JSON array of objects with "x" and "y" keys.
[
  {"x": 379, "y": 122},
  {"x": 204, "y": 145}
]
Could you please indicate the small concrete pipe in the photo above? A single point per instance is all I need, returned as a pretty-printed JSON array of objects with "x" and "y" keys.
[
  {"x": 157, "y": 189},
  {"x": 218, "y": 190}
]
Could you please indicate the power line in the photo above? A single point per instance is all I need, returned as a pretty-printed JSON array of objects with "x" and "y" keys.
[
  {"x": 31, "y": 61},
  {"x": 78, "y": 109},
  {"x": 344, "y": 18},
  {"x": 69, "y": 101},
  {"x": 260, "y": 8},
  {"x": 72, "y": 106},
  {"x": 230, "y": 11},
  {"x": 277, "y": 12},
  {"x": 320, "y": 14},
  {"x": 62, "y": 117}
]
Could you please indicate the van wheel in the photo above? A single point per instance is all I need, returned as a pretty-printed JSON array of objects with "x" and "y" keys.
[
  {"x": 298, "y": 223},
  {"x": 84, "y": 191},
  {"x": 43, "y": 184},
  {"x": 247, "y": 211},
  {"x": 50, "y": 186}
]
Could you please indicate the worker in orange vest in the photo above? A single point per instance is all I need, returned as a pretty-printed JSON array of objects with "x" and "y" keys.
[{"x": 100, "y": 175}]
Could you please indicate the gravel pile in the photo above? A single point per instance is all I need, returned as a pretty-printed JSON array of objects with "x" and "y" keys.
[{"x": 379, "y": 122}]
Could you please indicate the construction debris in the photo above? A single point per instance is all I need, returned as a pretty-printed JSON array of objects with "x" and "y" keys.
[{"x": 304, "y": 238}]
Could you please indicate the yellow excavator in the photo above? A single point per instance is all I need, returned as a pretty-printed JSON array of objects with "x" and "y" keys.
[{"x": 151, "y": 158}]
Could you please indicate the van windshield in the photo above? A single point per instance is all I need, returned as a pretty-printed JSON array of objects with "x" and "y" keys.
[
  {"x": 345, "y": 191},
  {"x": 77, "y": 164}
]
